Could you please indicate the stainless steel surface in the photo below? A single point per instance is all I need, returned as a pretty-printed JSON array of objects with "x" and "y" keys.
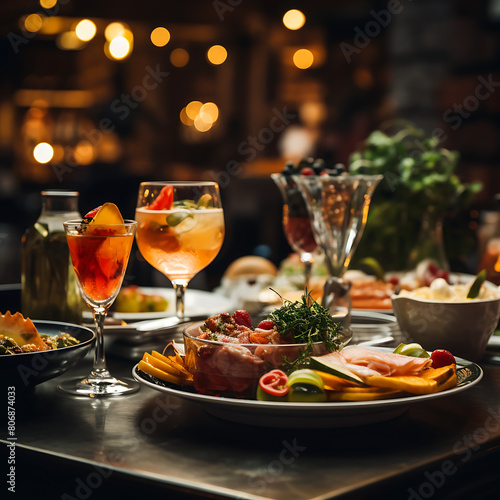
[{"x": 174, "y": 444}]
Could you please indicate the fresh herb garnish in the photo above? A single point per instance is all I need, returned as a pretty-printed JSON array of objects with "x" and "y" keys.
[{"x": 307, "y": 322}]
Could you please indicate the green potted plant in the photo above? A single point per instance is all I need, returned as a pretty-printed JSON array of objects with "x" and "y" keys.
[{"x": 420, "y": 188}]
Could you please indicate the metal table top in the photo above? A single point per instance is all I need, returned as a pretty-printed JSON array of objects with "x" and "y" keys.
[{"x": 174, "y": 445}]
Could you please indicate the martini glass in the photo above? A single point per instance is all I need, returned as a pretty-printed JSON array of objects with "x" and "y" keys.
[
  {"x": 180, "y": 230},
  {"x": 338, "y": 207},
  {"x": 296, "y": 223},
  {"x": 100, "y": 255}
]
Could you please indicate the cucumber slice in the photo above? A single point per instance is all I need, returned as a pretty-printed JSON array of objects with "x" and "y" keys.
[{"x": 316, "y": 363}]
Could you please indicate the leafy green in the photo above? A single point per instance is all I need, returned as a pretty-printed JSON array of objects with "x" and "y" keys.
[
  {"x": 419, "y": 177},
  {"x": 306, "y": 322}
]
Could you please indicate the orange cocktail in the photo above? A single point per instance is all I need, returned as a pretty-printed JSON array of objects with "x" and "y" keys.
[
  {"x": 180, "y": 251},
  {"x": 100, "y": 260},
  {"x": 180, "y": 229},
  {"x": 100, "y": 246}
]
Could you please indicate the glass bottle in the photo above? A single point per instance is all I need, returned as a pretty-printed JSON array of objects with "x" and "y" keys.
[{"x": 49, "y": 289}]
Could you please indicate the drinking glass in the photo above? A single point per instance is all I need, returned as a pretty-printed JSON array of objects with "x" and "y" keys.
[
  {"x": 296, "y": 223},
  {"x": 338, "y": 207},
  {"x": 180, "y": 232},
  {"x": 100, "y": 255}
]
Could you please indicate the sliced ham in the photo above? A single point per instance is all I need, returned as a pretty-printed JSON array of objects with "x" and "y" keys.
[{"x": 383, "y": 363}]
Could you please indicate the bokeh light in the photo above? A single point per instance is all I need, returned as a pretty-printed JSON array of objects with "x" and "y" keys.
[
  {"x": 211, "y": 109},
  {"x": 193, "y": 108},
  {"x": 33, "y": 23},
  {"x": 84, "y": 153},
  {"x": 119, "y": 47},
  {"x": 217, "y": 54},
  {"x": 85, "y": 30},
  {"x": 200, "y": 116},
  {"x": 160, "y": 36},
  {"x": 43, "y": 152},
  {"x": 69, "y": 41},
  {"x": 303, "y": 58},
  {"x": 48, "y": 4},
  {"x": 179, "y": 58},
  {"x": 113, "y": 30},
  {"x": 294, "y": 19}
]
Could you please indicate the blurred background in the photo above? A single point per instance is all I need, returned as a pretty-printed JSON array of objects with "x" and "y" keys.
[{"x": 98, "y": 96}]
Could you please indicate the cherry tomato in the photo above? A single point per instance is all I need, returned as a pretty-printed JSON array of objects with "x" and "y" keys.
[
  {"x": 164, "y": 200},
  {"x": 272, "y": 384}
]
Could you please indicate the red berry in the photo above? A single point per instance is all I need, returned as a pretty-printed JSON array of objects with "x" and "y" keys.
[
  {"x": 307, "y": 171},
  {"x": 266, "y": 324},
  {"x": 241, "y": 317},
  {"x": 441, "y": 357},
  {"x": 394, "y": 280}
]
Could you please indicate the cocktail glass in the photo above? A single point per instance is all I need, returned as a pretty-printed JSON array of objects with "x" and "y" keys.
[
  {"x": 338, "y": 207},
  {"x": 296, "y": 223},
  {"x": 181, "y": 238},
  {"x": 100, "y": 255}
]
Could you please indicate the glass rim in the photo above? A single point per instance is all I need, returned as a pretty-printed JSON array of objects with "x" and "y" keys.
[
  {"x": 179, "y": 183},
  {"x": 126, "y": 222}
]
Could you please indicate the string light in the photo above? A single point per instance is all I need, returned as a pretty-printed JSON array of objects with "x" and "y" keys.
[
  {"x": 85, "y": 30},
  {"x": 160, "y": 36},
  {"x": 294, "y": 19},
  {"x": 43, "y": 152}
]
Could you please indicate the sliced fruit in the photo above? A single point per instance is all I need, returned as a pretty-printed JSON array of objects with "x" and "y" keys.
[
  {"x": 414, "y": 350},
  {"x": 106, "y": 215},
  {"x": 321, "y": 365},
  {"x": 441, "y": 374},
  {"x": 156, "y": 372},
  {"x": 335, "y": 383},
  {"x": 92, "y": 213},
  {"x": 363, "y": 394},
  {"x": 407, "y": 383},
  {"x": 164, "y": 200},
  {"x": 174, "y": 361}
]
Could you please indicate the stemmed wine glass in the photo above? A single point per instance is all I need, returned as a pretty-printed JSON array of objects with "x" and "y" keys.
[
  {"x": 338, "y": 206},
  {"x": 100, "y": 255},
  {"x": 296, "y": 223},
  {"x": 180, "y": 229}
]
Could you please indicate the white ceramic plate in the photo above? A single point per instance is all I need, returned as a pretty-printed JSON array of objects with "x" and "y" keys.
[
  {"x": 197, "y": 303},
  {"x": 305, "y": 415}
]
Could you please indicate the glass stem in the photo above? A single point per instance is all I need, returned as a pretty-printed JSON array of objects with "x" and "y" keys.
[
  {"x": 180, "y": 289},
  {"x": 99, "y": 369},
  {"x": 307, "y": 259}
]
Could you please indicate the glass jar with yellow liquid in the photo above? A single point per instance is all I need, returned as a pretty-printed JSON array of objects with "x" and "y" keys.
[{"x": 48, "y": 283}]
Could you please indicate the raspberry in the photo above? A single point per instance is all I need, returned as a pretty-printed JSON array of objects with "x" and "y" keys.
[
  {"x": 266, "y": 324},
  {"x": 307, "y": 171},
  {"x": 241, "y": 317},
  {"x": 441, "y": 357}
]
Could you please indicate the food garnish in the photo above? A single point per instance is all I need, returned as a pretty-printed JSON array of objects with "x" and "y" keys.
[
  {"x": 476, "y": 285},
  {"x": 442, "y": 357},
  {"x": 164, "y": 200},
  {"x": 413, "y": 349},
  {"x": 19, "y": 335},
  {"x": 306, "y": 386},
  {"x": 171, "y": 369},
  {"x": 307, "y": 322},
  {"x": 273, "y": 386}
]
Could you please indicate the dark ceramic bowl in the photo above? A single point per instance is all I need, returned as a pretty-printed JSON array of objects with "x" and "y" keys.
[{"x": 26, "y": 370}]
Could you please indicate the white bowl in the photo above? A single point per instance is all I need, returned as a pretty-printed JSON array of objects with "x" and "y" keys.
[{"x": 463, "y": 328}]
